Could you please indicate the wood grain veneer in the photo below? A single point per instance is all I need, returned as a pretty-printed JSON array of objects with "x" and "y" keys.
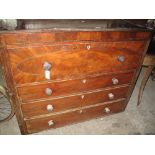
[{"x": 83, "y": 64}]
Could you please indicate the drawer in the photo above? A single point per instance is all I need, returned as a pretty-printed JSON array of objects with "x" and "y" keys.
[
  {"x": 70, "y": 102},
  {"x": 54, "y": 121},
  {"x": 71, "y": 60},
  {"x": 104, "y": 109},
  {"x": 48, "y": 90},
  {"x": 38, "y": 124}
]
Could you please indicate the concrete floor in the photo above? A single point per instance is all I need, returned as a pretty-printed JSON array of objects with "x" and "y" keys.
[{"x": 135, "y": 120}]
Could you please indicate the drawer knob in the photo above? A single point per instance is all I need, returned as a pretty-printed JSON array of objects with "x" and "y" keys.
[
  {"x": 50, "y": 107},
  {"x": 46, "y": 66},
  {"x": 88, "y": 47},
  {"x": 115, "y": 81},
  {"x": 48, "y": 91},
  {"x": 47, "y": 73},
  {"x": 106, "y": 109},
  {"x": 50, "y": 123},
  {"x": 111, "y": 96},
  {"x": 121, "y": 58},
  {"x": 84, "y": 81}
]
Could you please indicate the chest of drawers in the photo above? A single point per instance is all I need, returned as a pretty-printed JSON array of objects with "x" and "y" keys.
[{"x": 60, "y": 77}]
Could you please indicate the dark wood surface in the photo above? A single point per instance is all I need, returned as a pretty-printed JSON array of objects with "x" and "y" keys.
[
  {"x": 22, "y": 38},
  {"x": 37, "y": 91},
  {"x": 38, "y": 124},
  {"x": 74, "y": 101},
  {"x": 22, "y": 54},
  {"x": 72, "y": 60}
]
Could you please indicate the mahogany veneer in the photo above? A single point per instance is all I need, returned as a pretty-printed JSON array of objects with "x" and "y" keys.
[
  {"x": 35, "y": 108},
  {"x": 81, "y": 114},
  {"x": 37, "y": 91},
  {"x": 88, "y": 73}
]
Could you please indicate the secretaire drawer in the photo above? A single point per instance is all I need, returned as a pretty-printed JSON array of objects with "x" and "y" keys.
[
  {"x": 70, "y": 102},
  {"x": 70, "y": 60},
  {"x": 53, "y": 121},
  {"x": 57, "y": 36},
  {"x": 48, "y": 90}
]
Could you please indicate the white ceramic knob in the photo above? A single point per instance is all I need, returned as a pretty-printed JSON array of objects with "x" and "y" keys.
[
  {"x": 111, "y": 96},
  {"x": 46, "y": 65},
  {"x": 115, "y": 81},
  {"x": 49, "y": 107},
  {"x": 121, "y": 58},
  {"x": 50, "y": 123},
  {"x": 48, "y": 91},
  {"x": 107, "y": 110},
  {"x": 84, "y": 81}
]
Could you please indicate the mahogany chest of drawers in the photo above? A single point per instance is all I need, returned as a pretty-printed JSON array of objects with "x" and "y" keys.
[{"x": 59, "y": 77}]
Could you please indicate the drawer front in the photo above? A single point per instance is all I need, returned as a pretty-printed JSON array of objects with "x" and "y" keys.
[
  {"x": 35, "y": 125},
  {"x": 105, "y": 109},
  {"x": 68, "y": 61},
  {"x": 53, "y": 121},
  {"x": 70, "y": 102},
  {"x": 48, "y": 90}
]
